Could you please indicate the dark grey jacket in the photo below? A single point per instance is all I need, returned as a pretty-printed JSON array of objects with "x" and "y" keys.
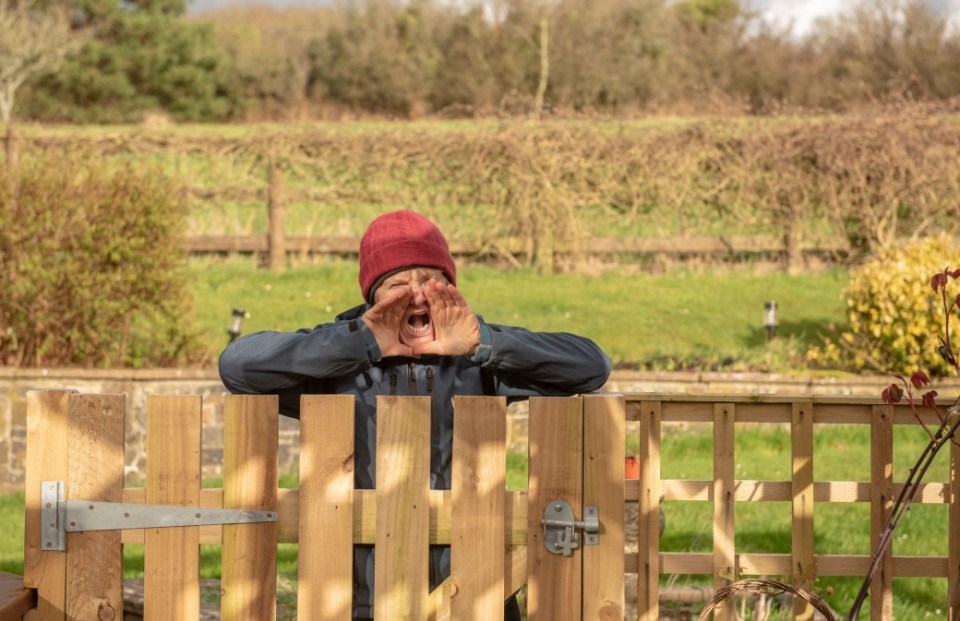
[{"x": 343, "y": 358}]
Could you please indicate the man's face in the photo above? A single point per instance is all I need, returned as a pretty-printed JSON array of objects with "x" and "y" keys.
[{"x": 416, "y": 326}]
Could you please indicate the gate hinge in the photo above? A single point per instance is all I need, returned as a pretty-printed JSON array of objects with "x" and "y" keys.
[
  {"x": 560, "y": 534},
  {"x": 59, "y": 516}
]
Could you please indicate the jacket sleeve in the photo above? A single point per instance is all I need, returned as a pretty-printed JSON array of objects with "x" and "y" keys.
[
  {"x": 273, "y": 362},
  {"x": 527, "y": 363}
]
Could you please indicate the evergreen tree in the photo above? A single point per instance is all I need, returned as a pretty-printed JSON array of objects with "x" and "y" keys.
[{"x": 142, "y": 57}]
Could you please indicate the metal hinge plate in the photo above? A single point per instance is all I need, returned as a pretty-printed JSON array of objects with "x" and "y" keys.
[
  {"x": 59, "y": 516},
  {"x": 560, "y": 534}
]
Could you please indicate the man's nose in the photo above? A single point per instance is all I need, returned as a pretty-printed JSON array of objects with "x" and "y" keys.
[{"x": 418, "y": 295}]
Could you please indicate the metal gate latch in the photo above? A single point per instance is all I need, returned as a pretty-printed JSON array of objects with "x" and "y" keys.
[
  {"x": 560, "y": 534},
  {"x": 59, "y": 516}
]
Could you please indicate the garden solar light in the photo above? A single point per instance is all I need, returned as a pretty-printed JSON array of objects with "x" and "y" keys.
[
  {"x": 770, "y": 318},
  {"x": 236, "y": 323}
]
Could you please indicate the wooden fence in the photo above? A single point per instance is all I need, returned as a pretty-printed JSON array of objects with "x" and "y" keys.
[
  {"x": 497, "y": 543},
  {"x": 576, "y": 450},
  {"x": 802, "y": 566},
  {"x": 715, "y": 248},
  {"x": 275, "y": 245}
]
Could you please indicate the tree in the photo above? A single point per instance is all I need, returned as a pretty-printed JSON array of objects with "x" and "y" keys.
[
  {"x": 608, "y": 56},
  {"x": 464, "y": 74},
  {"x": 267, "y": 50},
  {"x": 142, "y": 57},
  {"x": 380, "y": 60},
  {"x": 33, "y": 40}
]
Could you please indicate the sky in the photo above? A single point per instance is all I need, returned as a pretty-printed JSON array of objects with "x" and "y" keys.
[{"x": 801, "y": 13}]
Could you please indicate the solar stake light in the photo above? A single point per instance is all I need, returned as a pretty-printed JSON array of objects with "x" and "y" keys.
[
  {"x": 236, "y": 323},
  {"x": 770, "y": 319}
]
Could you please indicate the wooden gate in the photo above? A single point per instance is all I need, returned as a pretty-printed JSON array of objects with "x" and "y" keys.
[{"x": 576, "y": 450}]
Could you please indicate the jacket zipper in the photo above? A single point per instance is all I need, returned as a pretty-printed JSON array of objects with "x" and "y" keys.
[
  {"x": 412, "y": 378},
  {"x": 393, "y": 384},
  {"x": 430, "y": 381}
]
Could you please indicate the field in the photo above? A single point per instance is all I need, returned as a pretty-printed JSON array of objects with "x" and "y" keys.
[{"x": 708, "y": 319}]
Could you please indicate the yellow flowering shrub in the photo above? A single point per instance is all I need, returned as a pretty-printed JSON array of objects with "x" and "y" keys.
[{"x": 895, "y": 318}]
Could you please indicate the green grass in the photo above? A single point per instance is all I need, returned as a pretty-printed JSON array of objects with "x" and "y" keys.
[
  {"x": 692, "y": 318},
  {"x": 11, "y": 533}
]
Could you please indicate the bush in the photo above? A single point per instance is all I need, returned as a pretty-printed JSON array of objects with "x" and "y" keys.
[
  {"x": 91, "y": 265},
  {"x": 894, "y": 316}
]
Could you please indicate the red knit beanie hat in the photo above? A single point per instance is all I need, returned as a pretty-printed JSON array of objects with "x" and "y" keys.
[{"x": 400, "y": 240}]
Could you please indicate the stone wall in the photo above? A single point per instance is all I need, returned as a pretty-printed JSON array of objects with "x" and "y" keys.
[{"x": 137, "y": 384}]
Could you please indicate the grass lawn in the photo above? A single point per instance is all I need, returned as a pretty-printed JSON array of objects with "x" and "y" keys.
[{"x": 703, "y": 319}]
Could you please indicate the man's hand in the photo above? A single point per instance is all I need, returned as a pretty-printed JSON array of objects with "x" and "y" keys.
[
  {"x": 384, "y": 318},
  {"x": 455, "y": 328}
]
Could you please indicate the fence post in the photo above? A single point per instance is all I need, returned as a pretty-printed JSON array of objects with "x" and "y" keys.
[
  {"x": 953, "y": 567},
  {"x": 648, "y": 583},
  {"x": 802, "y": 493},
  {"x": 277, "y": 234},
  {"x": 881, "y": 504},
  {"x": 724, "y": 558}
]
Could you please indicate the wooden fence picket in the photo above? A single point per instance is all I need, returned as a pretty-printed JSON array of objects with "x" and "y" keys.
[
  {"x": 48, "y": 428},
  {"x": 603, "y": 458},
  {"x": 171, "y": 573},
  {"x": 325, "y": 551},
  {"x": 479, "y": 499},
  {"x": 95, "y": 455},
  {"x": 403, "y": 508},
  {"x": 555, "y": 473},
  {"x": 249, "y": 557}
]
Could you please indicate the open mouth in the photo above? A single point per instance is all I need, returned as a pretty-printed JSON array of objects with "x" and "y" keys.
[{"x": 418, "y": 324}]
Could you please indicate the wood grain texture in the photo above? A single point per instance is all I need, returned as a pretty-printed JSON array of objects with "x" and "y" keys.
[
  {"x": 479, "y": 504},
  {"x": 556, "y": 473},
  {"x": 403, "y": 512},
  {"x": 603, "y": 478},
  {"x": 171, "y": 580},
  {"x": 325, "y": 556},
  {"x": 96, "y": 451},
  {"x": 249, "y": 558}
]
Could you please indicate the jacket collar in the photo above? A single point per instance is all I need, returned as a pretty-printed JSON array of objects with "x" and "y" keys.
[{"x": 353, "y": 313}]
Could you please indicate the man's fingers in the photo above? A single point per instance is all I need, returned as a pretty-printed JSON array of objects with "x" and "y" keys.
[
  {"x": 437, "y": 295},
  {"x": 395, "y": 298},
  {"x": 441, "y": 296},
  {"x": 456, "y": 296},
  {"x": 433, "y": 348}
]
